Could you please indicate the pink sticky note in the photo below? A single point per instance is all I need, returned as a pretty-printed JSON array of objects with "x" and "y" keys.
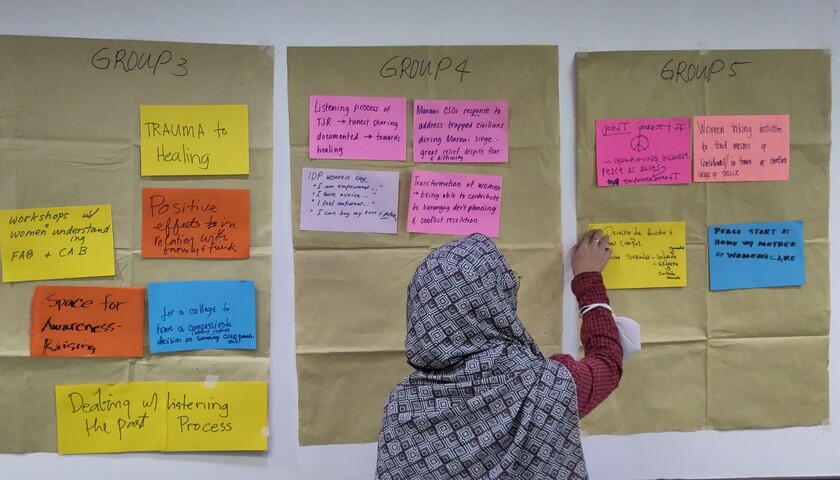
[
  {"x": 642, "y": 151},
  {"x": 454, "y": 203},
  {"x": 357, "y": 128},
  {"x": 349, "y": 200},
  {"x": 741, "y": 148},
  {"x": 460, "y": 131}
]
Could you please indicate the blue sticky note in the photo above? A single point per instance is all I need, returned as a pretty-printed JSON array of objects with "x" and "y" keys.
[
  {"x": 202, "y": 315},
  {"x": 756, "y": 255}
]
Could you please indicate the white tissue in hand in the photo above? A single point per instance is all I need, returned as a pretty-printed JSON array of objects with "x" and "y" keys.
[{"x": 630, "y": 335}]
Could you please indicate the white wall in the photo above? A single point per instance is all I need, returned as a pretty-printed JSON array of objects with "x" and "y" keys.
[{"x": 574, "y": 27}]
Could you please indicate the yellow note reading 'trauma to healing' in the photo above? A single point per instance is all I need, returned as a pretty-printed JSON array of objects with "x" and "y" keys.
[
  {"x": 56, "y": 242},
  {"x": 194, "y": 140},
  {"x": 645, "y": 255},
  {"x": 217, "y": 416},
  {"x": 121, "y": 417}
]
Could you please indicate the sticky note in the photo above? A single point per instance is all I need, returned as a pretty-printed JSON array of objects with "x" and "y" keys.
[
  {"x": 228, "y": 416},
  {"x": 643, "y": 151},
  {"x": 122, "y": 417},
  {"x": 645, "y": 255},
  {"x": 460, "y": 131},
  {"x": 756, "y": 255},
  {"x": 71, "y": 321},
  {"x": 349, "y": 200},
  {"x": 194, "y": 140},
  {"x": 210, "y": 314},
  {"x": 56, "y": 242},
  {"x": 357, "y": 128},
  {"x": 196, "y": 223},
  {"x": 741, "y": 148},
  {"x": 454, "y": 203}
]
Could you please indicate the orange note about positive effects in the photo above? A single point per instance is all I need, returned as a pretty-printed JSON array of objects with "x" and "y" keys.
[
  {"x": 196, "y": 223},
  {"x": 70, "y": 321}
]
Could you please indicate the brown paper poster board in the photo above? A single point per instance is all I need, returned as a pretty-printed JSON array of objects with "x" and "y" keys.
[
  {"x": 736, "y": 359},
  {"x": 350, "y": 288},
  {"x": 69, "y": 135}
]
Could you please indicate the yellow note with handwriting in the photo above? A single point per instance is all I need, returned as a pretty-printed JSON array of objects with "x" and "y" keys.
[
  {"x": 120, "y": 417},
  {"x": 193, "y": 140},
  {"x": 218, "y": 416},
  {"x": 645, "y": 255},
  {"x": 56, "y": 242}
]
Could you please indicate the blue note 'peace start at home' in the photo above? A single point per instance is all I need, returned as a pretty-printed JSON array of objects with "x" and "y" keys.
[
  {"x": 213, "y": 314},
  {"x": 756, "y": 255}
]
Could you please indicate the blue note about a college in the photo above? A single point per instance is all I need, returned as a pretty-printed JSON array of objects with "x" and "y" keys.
[
  {"x": 756, "y": 255},
  {"x": 202, "y": 315}
]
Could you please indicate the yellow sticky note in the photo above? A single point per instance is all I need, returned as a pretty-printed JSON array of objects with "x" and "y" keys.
[
  {"x": 193, "y": 140},
  {"x": 121, "y": 417},
  {"x": 645, "y": 255},
  {"x": 56, "y": 242},
  {"x": 217, "y": 416}
]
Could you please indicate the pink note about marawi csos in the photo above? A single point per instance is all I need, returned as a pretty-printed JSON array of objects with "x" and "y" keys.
[
  {"x": 643, "y": 151},
  {"x": 460, "y": 131},
  {"x": 357, "y": 128},
  {"x": 454, "y": 203},
  {"x": 741, "y": 148}
]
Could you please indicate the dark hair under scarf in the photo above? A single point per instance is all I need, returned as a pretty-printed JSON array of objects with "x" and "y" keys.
[{"x": 483, "y": 402}]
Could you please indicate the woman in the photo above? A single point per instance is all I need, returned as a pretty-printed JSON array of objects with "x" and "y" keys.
[{"x": 483, "y": 402}]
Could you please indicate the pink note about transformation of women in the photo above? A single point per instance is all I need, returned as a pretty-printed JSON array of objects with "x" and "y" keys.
[
  {"x": 357, "y": 128},
  {"x": 741, "y": 148},
  {"x": 643, "y": 151},
  {"x": 454, "y": 203},
  {"x": 460, "y": 131}
]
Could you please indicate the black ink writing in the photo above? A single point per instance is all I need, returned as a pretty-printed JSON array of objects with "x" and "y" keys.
[
  {"x": 404, "y": 67},
  {"x": 687, "y": 72},
  {"x": 107, "y": 58}
]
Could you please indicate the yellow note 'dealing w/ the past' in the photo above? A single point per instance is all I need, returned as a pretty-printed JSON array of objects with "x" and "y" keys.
[
  {"x": 56, "y": 242},
  {"x": 101, "y": 418},
  {"x": 193, "y": 140},
  {"x": 645, "y": 255}
]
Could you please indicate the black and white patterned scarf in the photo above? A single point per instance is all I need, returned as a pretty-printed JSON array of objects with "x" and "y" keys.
[{"x": 483, "y": 402}]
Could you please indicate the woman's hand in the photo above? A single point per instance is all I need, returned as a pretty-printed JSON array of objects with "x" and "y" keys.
[{"x": 591, "y": 253}]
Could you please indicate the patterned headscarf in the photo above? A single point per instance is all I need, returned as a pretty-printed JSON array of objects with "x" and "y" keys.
[{"x": 483, "y": 402}]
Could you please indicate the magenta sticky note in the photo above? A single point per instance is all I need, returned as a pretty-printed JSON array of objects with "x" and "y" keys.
[
  {"x": 741, "y": 148},
  {"x": 460, "y": 131},
  {"x": 643, "y": 151},
  {"x": 333, "y": 200},
  {"x": 357, "y": 128},
  {"x": 454, "y": 203}
]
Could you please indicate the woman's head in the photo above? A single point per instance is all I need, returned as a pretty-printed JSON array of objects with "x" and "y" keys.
[{"x": 461, "y": 300}]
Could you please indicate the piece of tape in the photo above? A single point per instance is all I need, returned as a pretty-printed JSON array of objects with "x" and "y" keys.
[
  {"x": 210, "y": 381},
  {"x": 265, "y": 431},
  {"x": 267, "y": 48}
]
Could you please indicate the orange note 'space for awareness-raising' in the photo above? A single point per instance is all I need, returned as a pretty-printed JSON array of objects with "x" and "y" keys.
[
  {"x": 196, "y": 223},
  {"x": 71, "y": 321}
]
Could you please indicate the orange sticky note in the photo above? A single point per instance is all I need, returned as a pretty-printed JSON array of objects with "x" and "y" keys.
[
  {"x": 741, "y": 148},
  {"x": 71, "y": 321},
  {"x": 196, "y": 223}
]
